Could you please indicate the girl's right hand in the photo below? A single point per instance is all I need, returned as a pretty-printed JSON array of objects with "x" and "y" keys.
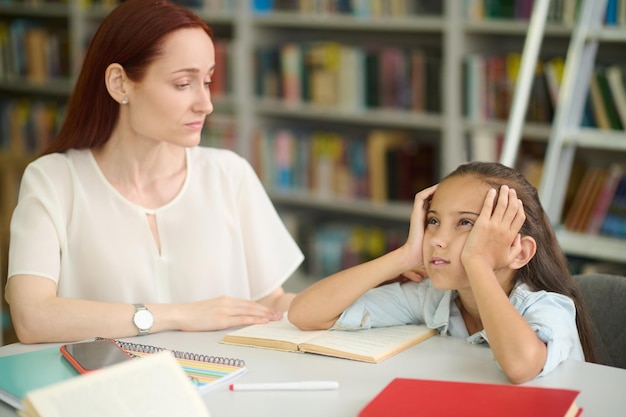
[{"x": 415, "y": 241}]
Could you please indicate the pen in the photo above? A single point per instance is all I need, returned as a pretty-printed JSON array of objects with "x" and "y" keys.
[{"x": 286, "y": 386}]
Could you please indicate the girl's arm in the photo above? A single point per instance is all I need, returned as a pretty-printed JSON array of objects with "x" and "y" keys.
[
  {"x": 493, "y": 252},
  {"x": 320, "y": 305},
  {"x": 40, "y": 316}
]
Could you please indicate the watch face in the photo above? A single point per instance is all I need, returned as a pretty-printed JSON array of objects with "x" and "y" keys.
[{"x": 143, "y": 319}]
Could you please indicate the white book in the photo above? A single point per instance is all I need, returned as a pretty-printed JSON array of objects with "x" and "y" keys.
[{"x": 153, "y": 386}]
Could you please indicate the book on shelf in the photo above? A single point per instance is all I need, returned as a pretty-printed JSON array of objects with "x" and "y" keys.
[
  {"x": 220, "y": 85},
  {"x": 410, "y": 169},
  {"x": 394, "y": 79},
  {"x": 607, "y": 98},
  {"x": 379, "y": 142},
  {"x": 154, "y": 386},
  {"x": 539, "y": 104},
  {"x": 604, "y": 199},
  {"x": 615, "y": 79},
  {"x": 470, "y": 399},
  {"x": 323, "y": 63},
  {"x": 577, "y": 215},
  {"x": 368, "y": 345},
  {"x": 418, "y": 82},
  {"x": 332, "y": 246},
  {"x": 614, "y": 223},
  {"x": 351, "y": 94},
  {"x": 291, "y": 61},
  {"x": 474, "y": 87},
  {"x": 263, "y": 6},
  {"x": 489, "y": 82},
  {"x": 598, "y": 105},
  {"x": 597, "y": 183},
  {"x": 553, "y": 70},
  {"x": 611, "y": 15},
  {"x": 267, "y": 73}
]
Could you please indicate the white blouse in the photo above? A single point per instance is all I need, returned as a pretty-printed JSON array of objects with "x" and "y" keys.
[{"x": 219, "y": 236}]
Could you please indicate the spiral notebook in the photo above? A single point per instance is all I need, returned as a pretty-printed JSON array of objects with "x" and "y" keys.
[{"x": 205, "y": 371}]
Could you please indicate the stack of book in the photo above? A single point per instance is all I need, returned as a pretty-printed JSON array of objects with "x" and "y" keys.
[{"x": 599, "y": 205}]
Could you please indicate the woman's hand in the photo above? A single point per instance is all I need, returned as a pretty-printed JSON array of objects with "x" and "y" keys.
[
  {"x": 495, "y": 238},
  {"x": 224, "y": 312}
]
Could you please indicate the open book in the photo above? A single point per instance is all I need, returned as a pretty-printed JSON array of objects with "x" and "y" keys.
[
  {"x": 154, "y": 386},
  {"x": 371, "y": 345}
]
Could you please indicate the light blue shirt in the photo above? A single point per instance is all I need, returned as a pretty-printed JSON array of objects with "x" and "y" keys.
[{"x": 552, "y": 316}]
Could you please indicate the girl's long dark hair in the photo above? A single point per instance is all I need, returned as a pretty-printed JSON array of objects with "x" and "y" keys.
[{"x": 548, "y": 269}]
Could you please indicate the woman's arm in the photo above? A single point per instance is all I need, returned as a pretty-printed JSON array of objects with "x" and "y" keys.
[
  {"x": 40, "y": 316},
  {"x": 319, "y": 306},
  {"x": 493, "y": 252}
]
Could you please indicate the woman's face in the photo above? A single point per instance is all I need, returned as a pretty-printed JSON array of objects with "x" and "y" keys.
[
  {"x": 172, "y": 101},
  {"x": 453, "y": 210}
]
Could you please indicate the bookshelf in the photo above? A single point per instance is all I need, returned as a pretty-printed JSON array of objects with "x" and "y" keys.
[
  {"x": 451, "y": 33},
  {"x": 577, "y": 144},
  {"x": 449, "y": 30}
]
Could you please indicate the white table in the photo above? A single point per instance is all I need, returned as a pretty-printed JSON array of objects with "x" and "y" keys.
[{"x": 603, "y": 389}]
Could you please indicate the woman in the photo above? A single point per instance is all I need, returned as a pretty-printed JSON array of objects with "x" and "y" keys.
[{"x": 124, "y": 226}]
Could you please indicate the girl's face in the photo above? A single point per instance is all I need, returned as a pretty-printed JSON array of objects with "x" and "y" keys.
[
  {"x": 453, "y": 210},
  {"x": 172, "y": 101}
]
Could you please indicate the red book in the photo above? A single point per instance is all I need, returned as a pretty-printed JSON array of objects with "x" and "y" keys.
[{"x": 405, "y": 397}]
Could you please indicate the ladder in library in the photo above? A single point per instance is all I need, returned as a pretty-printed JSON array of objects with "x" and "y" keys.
[{"x": 567, "y": 135}]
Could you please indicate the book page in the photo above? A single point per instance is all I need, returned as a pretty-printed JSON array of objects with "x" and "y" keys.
[
  {"x": 154, "y": 386},
  {"x": 275, "y": 331},
  {"x": 375, "y": 344}
]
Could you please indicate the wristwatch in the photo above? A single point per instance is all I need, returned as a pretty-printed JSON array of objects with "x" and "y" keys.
[{"x": 142, "y": 319}]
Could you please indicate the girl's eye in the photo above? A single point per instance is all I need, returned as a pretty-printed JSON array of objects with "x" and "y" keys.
[
  {"x": 431, "y": 220},
  {"x": 207, "y": 84},
  {"x": 466, "y": 222},
  {"x": 182, "y": 86}
]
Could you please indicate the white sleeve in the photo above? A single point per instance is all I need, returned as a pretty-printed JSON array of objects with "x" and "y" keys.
[
  {"x": 272, "y": 255},
  {"x": 37, "y": 228}
]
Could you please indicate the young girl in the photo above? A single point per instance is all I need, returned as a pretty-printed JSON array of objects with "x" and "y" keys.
[{"x": 495, "y": 273}]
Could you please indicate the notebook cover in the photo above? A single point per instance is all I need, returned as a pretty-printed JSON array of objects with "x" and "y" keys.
[
  {"x": 24, "y": 372},
  {"x": 413, "y": 397}
]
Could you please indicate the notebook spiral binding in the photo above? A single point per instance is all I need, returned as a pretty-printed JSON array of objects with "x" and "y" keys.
[{"x": 137, "y": 347}]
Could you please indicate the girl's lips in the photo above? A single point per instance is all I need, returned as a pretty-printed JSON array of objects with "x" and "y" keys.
[{"x": 438, "y": 262}]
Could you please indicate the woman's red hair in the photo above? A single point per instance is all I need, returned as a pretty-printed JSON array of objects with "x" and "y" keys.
[{"x": 132, "y": 36}]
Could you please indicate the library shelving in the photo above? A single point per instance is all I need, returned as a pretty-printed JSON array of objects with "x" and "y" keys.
[
  {"x": 591, "y": 220},
  {"x": 435, "y": 39}
]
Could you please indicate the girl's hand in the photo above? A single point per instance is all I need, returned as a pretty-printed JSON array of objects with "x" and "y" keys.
[
  {"x": 495, "y": 238},
  {"x": 415, "y": 241},
  {"x": 417, "y": 274}
]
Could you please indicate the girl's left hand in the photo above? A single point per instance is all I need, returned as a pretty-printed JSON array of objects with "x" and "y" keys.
[{"x": 495, "y": 238}]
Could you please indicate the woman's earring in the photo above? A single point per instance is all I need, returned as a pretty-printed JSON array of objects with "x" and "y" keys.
[{"x": 125, "y": 100}]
